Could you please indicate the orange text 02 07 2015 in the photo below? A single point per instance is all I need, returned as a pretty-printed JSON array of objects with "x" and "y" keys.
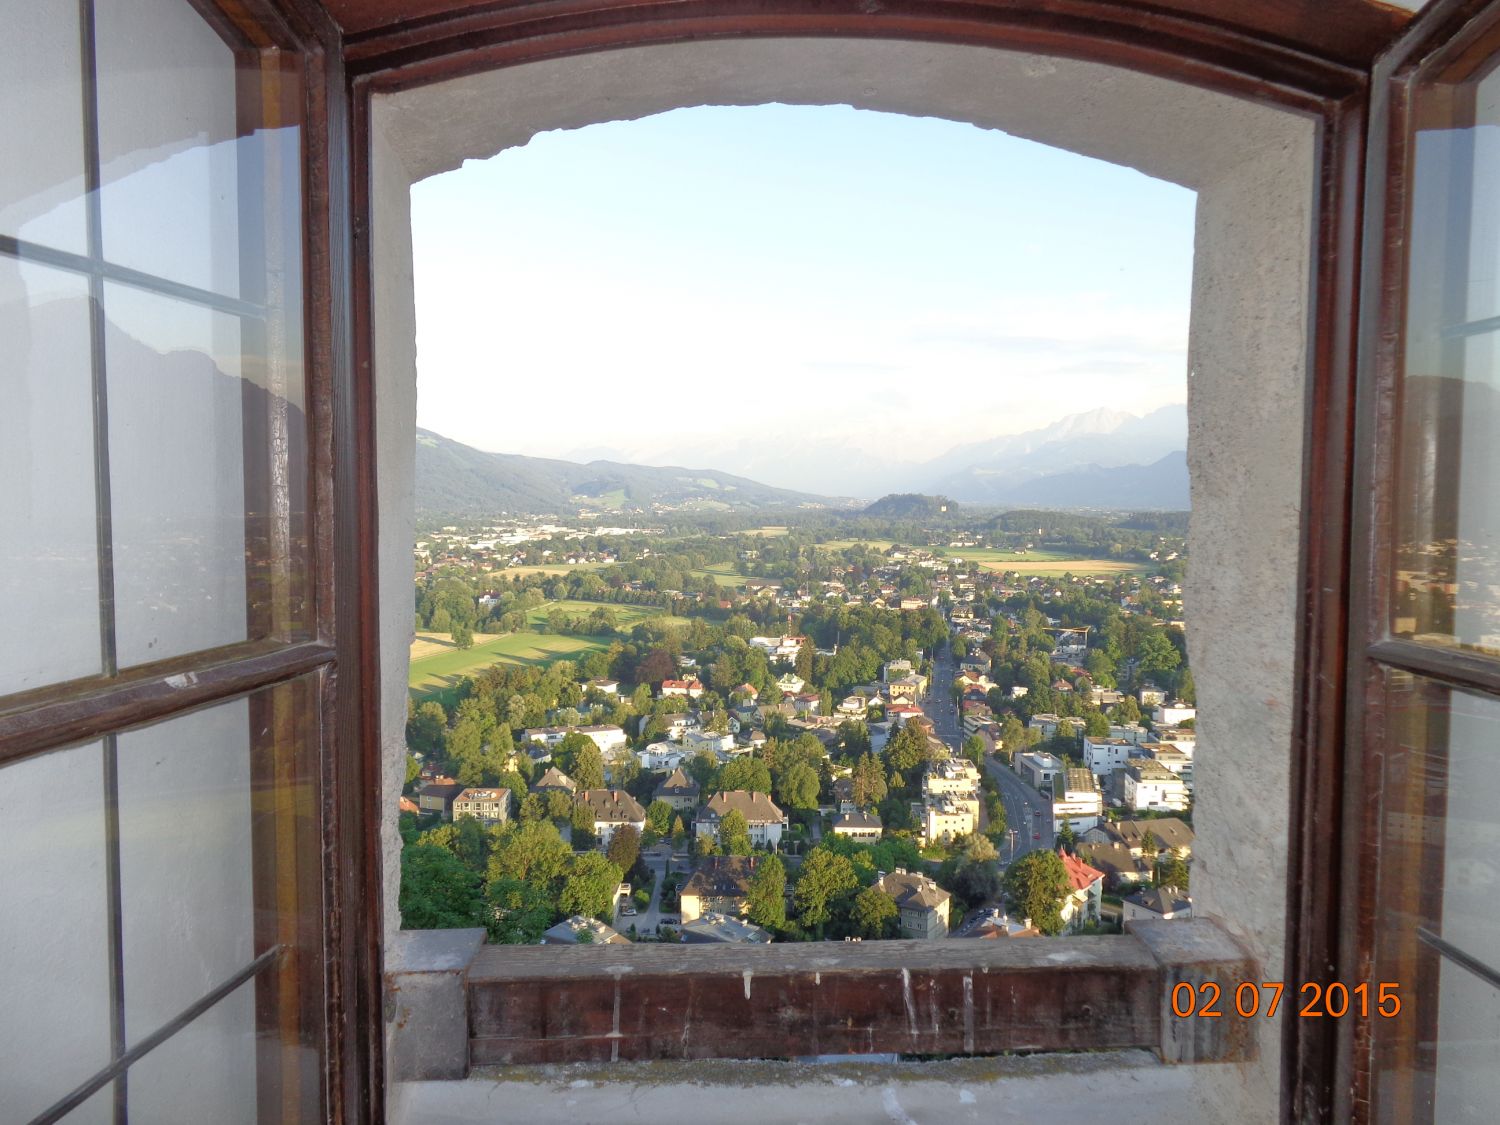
[{"x": 1313, "y": 1000}]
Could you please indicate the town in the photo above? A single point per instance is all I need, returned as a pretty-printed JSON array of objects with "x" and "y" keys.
[{"x": 774, "y": 735}]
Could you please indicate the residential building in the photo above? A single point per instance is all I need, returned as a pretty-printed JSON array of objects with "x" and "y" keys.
[
  {"x": 554, "y": 778},
  {"x": 1037, "y": 768},
  {"x": 722, "y": 929},
  {"x": 1156, "y": 904},
  {"x": 489, "y": 805},
  {"x": 720, "y": 884},
  {"x": 766, "y": 821},
  {"x": 436, "y": 798},
  {"x": 1086, "y": 884},
  {"x": 791, "y": 683},
  {"x": 1079, "y": 803},
  {"x": 1165, "y": 754},
  {"x": 861, "y": 826},
  {"x": 945, "y": 816},
  {"x": 1173, "y": 714},
  {"x": 1120, "y": 867},
  {"x": 697, "y": 741},
  {"x": 998, "y": 924},
  {"x": 690, "y": 689},
  {"x": 921, "y": 904},
  {"x": 679, "y": 790},
  {"x": 604, "y": 687},
  {"x": 1165, "y": 834},
  {"x": 571, "y": 931},
  {"x": 1151, "y": 696},
  {"x": 1105, "y": 755},
  {"x": 612, "y": 809},
  {"x": 957, "y": 776},
  {"x": 661, "y": 756},
  {"x": 608, "y": 739},
  {"x": 1151, "y": 787}
]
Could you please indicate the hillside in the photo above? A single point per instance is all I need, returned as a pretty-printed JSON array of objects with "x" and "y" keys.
[
  {"x": 457, "y": 479},
  {"x": 910, "y": 505},
  {"x": 1163, "y": 484}
]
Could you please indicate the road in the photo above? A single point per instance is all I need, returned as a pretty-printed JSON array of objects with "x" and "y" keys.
[
  {"x": 646, "y": 921},
  {"x": 1022, "y": 803}
]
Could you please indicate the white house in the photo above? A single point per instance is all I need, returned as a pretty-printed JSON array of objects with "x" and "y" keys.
[
  {"x": 695, "y": 741},
  {"x": 1105, "y": 755},
  {"x": 765, "y": 820},
  {"x": 660, "y": 756},
  {"x": 1038, "y": 768},
  {"x": 612, "y": 809},
  {"x": 1171, "y": 714},
  {"x": 1150, "y": 786},
  {"x": 1156, "y": 904},
  {"x": 608, "y": 739},
  {"x": 1079, "y": 801}
]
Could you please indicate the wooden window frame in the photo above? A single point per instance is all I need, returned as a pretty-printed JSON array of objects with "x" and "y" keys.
[{"x": 1202, "y": 50}]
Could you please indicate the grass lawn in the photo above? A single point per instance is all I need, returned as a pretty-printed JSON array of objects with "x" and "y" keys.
[
  {"x": 722, "y": 573},
  {"x": 845, "y": 544},
  {"x": 768, "y": 532},
  {"x": 626, "y": 616},
  {"x": 549, "y": 568},
  {"x": 1042, "y": 563},
  {"x": 436, "y": 665}
]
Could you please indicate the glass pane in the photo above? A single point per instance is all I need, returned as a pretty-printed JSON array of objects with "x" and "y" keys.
[
  {"x": 177, "y": 474},
  {"x": 221, "y": 863},
  {"x": 54, "y": 930},
  {"x": 169, "y": 161},
  {"x": 206, "y": 1072},
  {"x": 49, "y": 564},
  {"x": 1447, "y": 568},
  {"x": 1439, "y": 874},
  {"x": 41, "y": 130},
  {"x": 186, "y": 878}
]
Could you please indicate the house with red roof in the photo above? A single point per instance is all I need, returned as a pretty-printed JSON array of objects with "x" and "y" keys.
[{"x": 1086, "y": 892}]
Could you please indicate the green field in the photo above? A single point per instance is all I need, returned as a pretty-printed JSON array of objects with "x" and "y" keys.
[
  {"x": 550, "y": 568},
  {"x": 626, "y": 616},
  {"x": 1042, "y": 563},
  {"x": 436, "y": 665},
  {"x": 768, "y": 532},
  {"x": 1045, "y": 564},
  {"x": 722, "y": 573}
]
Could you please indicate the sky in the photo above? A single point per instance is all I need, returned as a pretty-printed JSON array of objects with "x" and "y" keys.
[{"x": 842, "y": 284}]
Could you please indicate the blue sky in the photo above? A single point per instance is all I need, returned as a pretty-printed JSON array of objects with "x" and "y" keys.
[{"x": 679, "y": 289}]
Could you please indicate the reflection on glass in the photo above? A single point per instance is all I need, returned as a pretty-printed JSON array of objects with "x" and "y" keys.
[
  {"x": 49, "y": 564},
  {"x": 1439, "y": 875},
  {"x": 41, "y": 130},
  {"x": 1447, "y": 568},
  {"x": 186, "y": 879},
  {"x": 177, "y": 475},
  {"x": 54, "y": 930},
  {"x": 169, "y": 164},
  {"x": 206, "y": 1072}
]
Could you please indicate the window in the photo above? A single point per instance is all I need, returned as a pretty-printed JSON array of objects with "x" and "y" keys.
[{"x": 164, "y": 696}]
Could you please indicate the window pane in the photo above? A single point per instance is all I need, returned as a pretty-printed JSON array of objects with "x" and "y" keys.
[
  {"x": 41, "y": 130},
  {"x": 1447, "y": 567},
  {"x": 49, "y": 564},
  {"x": 177, "y": 475},
  {"x": 54, "y": 930},
  {"x": 1439, "y": 873},
  {"x": 186, "y": 878},
  {"x": 220, "y": 864},
  {"x": 169, "y": 161},
  {"x": 206, "y": 1072}
]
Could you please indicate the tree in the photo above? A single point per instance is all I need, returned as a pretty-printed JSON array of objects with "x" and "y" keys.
[
  {"x": 874, "y": 914},
  {"x": 679, "y": 833},
  {"x": 558, "y": 804},
  {"x": 907, "y": 751},
  {"x": 798, "y": 787},
  {"x": 425, "y": 729},
  {"x": 462, "y": 634},
  {"x": 973, "y": 749},
  {"x": 437, "y": 891},
  {"x": 588, "y": 767},
  {"x": 868, "y": 782},
  {"x": 1012, "y": 735},
  {"x": 734, "y": 834},
  {"x": 766, "y": 903},
  {"x": 659, "y": 817},
  {"x": 804, "y": 664},
  {"x": 824, "y": 879},
  {"x": 1037, "y": 884},
  {"x": 1067, "y": 839},
  {"x": 533, "y": 852},
  {"x": 1096, "y": 725},
  {"x": 746, "y": 773},
  {"x": 1127, "y": 711},
  {"x": 590, "y": 886},
  {"x": 465, "y": 837},
  {"x": 1171, "y": 871},
  {"x": 413, "y": 770},
  {"x": 583, "y": 826},
  {"x": 519, "y": 912},
  {"x": 624, "y": 847},
  {"x": 1187, "y": 689}
]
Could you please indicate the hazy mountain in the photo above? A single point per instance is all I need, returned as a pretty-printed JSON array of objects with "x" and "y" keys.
[
  {"x": 989, "y": 471},
  {"x": 1161, "y": 484},
  {"x": 458, "y": 479}
]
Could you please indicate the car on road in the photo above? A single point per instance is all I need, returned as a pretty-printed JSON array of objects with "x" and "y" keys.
[
  {"x": 670, "y": 920},
  {"x": 1036, "y": 835},
  {"x": 1038, "y": 812},
  {"x": 629, "y": 912}
]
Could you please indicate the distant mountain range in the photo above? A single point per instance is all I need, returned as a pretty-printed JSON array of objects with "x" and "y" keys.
[
  {"x": 1097, "y": 459},
  {"x": 457, "y": 479}
]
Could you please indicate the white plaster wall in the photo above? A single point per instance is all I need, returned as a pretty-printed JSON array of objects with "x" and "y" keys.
[
  {"x": 1254, "y": 169},
  {"x": 396, "y": 451}
]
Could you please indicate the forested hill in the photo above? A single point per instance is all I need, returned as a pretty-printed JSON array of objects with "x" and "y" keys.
[
  {"x": 911, "y": 505},
  {"x": 459, "y": 480}
]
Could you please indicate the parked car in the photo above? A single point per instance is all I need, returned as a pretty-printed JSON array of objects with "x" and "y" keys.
[
  {"x": 629, "y": 912},
  {"x": 670, "y": 920}
]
